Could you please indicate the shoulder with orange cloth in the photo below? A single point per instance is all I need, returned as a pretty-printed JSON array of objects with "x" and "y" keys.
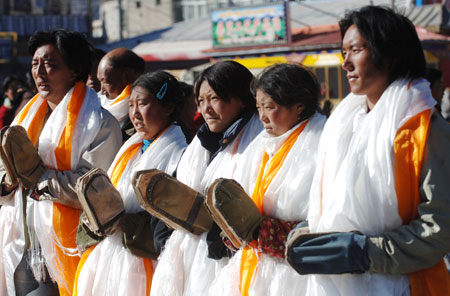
[
  {"x": 66, "y": 124},
  {"x": 376, "y": 224},
  {"x": 126, "y": 230},
  {"x": 276, "y": 172}
]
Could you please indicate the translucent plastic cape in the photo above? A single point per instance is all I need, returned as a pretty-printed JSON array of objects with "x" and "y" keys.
[
  {"x": 39, "y": 218},
  {"x": 355, "y": 177},
  {"x": 12, "y": 242},
  {"x": 40, "y": 214},
  {"x": 287, "y": 198},
  {"x": 118, "y": 107},
  {"x": 111, "y": 269},
  {"x": 183, "y": 267},
  {"x": 12, "y": 237}
]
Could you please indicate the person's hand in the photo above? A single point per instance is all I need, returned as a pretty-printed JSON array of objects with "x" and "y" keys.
[
  {"x": 6, "y": 189},
  {"x": 35, "y": 194},
  {"x": 330, "y": 253}
]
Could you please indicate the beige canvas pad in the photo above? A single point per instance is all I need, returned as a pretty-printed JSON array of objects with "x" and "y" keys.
[
  {"x": 100, "y": 201},
  {"x": 233, "y": 211},
  {"x": 171, "y": 201},
  {"x": 22, "y": 159},
  {"x": 11, "y": 175}
]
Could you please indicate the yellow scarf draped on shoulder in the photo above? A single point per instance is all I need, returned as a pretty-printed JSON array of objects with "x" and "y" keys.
[
  {"x": 249, "y": 257},
  {"x": 126, "y": 92},
  {"x": 409, "y": 147},
  {"x": 116, "y": 174},
  {"x": 65, "y": 219}
]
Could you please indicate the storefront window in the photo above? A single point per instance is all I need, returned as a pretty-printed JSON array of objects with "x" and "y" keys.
[
  {"x": 320, "y": 74},
  {"x": 333, "y": 83}
]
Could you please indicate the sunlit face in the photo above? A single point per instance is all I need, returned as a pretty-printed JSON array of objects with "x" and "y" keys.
[
  {"x": 277, "y": 119},
  {"x": 146, "y": 113},
  {"x": 363, "y": 76},
  {"x": 52, "y": 76},
  {"x": 112, "y": 82},
  {"x": 218, "y": 114}
]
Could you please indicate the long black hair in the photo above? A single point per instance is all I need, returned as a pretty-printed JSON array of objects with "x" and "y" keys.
[{"x": 392, "y": 39}]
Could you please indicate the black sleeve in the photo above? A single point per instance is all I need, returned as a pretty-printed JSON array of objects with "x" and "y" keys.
[
  {"x": 216, "y": 248},
  {"x": 161, "y": 233}
]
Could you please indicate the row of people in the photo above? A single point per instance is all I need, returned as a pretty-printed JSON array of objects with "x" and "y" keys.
[{"x": 363, "y": 196}]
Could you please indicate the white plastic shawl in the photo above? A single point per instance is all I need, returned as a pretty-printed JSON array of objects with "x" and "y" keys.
[
  {"x": 12, "y": 242},
  {"x": 184, "y": 267},
  {"x": 286, "y": 198},
  {"x": 354, "y": 184},
  {"x": 39, "y": 214},
  {"x": 118, "y": 107},
  {"x": 111, "y": 269}
]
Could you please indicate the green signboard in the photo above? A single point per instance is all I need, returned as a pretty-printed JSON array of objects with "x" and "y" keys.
[{"x": 251, "y": 26}]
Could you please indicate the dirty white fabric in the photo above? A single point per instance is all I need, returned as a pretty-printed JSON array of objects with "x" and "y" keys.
[{"x": 354, "y": 184}]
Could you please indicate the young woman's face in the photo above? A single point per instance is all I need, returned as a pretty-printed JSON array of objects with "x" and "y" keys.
[
  {"x": 146, "y": 113},
  {"x": 363, "y": 75},
  {"x": 277, "y": 119},
  {"x": 218, "y": 114}
]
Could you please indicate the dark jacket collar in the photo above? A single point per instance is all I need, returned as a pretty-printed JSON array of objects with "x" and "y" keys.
[{"x": 216, "y": 142}]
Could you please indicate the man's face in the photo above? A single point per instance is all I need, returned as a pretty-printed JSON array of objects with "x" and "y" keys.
[
  {"x": 363, "y": 75},
  {"x": 52, "y": 76},
  {"x": 112, "y": 81}
]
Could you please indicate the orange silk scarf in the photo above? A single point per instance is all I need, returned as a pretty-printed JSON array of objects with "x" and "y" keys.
[
  {"x": 123, "y": 95},
  {"x": 249, "y": 257},
  {"x": 118, "y": 170},
  {"x": 65, "y": 219},
  {"x": 37, "y": 123},
  {"x": 116, "y": 174},
  {"x": 409, "y": 147}
]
